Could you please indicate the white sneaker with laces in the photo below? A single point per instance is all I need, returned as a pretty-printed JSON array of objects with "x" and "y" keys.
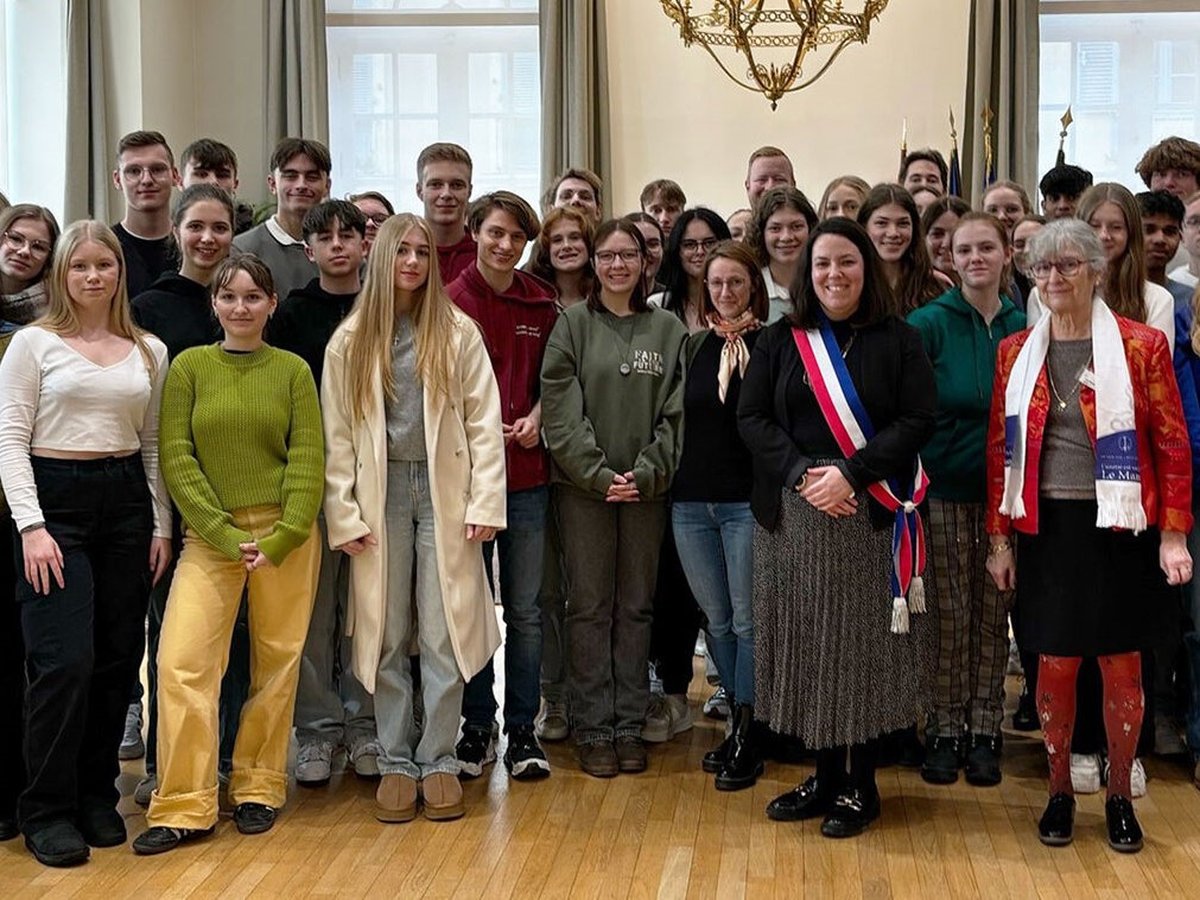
[
  {"x": 1085, "y": 773},
  {"x": 314, "y": 763}
]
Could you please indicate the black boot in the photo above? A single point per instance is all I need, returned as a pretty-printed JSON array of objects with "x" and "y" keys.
[
  {"x": 744, "y": 763},
  {"x": 715, "y": 758}
]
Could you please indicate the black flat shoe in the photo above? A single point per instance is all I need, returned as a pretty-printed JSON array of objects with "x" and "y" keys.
[
  {"x": 58, "y": 845},
  {"x": 160, "y": 839},
  {"x": 102, "y": 827},
  {"x": 852, "y": 812},
  {"x": 1057, "y": 827},
  {"x": 808, "y": 801},
  {"x": 253, "y": 818},
  {"x": 1124, "y": 832},
  {"x": 983, "y": 761},
  {"x": 942, "y": 761}
]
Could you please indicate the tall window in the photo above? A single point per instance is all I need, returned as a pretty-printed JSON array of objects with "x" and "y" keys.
[
  {"x": 1130, "y": 71},
  {"x": 406, "y": 73}
]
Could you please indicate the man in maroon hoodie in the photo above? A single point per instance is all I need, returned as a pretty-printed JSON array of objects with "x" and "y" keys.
[
  {"x": 444, "y": 187},
  {"x": 515, "y": 311}
]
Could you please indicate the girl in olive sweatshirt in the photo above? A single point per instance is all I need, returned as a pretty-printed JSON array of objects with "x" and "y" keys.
[{"x": 612, "y": 411}]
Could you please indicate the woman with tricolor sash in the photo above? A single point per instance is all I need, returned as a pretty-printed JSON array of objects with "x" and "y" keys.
[
  {"x": 838, "y": 398},
  {"x": 1089, "y": 469}
]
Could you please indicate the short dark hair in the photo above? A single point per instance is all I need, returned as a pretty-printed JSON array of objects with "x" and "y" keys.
[
  {"x": 672, "y": 193},
  {"x": 580, "y": 173},
  {"x": 443, "y": 151},
  {"x": 928, "y": 154},
  {"x": 512, "y": 204},
  {"x": 259, "y": 272},
  {"x": 672, "y": 276},
  {"x": 144, "y": 139},
  {"x": 876, "y": 302},
  {"x": 769, "y": 203},
  {"x": 289, "y": 147},
  {"x": 209, "y": 154},
  {"x": 321, "y": 217},
  {"x": 738, "y": 252},
  {"x": 198, "y": 193},
  {"x": 1161, "y": 203},
  {"x": 606, "y": 229},
  {"x": 1065, "y": 181},
  {"x": 1170, "y": 153},
  {"x": 373, "y": 195}
]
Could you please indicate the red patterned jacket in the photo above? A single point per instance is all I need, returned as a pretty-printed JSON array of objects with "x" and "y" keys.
[{"x": 1164, "y": 454}]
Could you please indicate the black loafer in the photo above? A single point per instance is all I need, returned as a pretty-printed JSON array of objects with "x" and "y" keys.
[
  {"x": 253, "y": 818},
  {"x": 160, "y": 839},
  {"x": 1057, "y": 827},
  {"x": 58, "y": 844},
  {"x": 102, "y": 827},
  {"x": 1124, "y": 832},
  {"x": 852, "y": 812},
  {"x": 808, "y": 801}
]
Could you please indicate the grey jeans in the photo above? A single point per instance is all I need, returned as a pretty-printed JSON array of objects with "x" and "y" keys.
[
  {"x": 553, "y": 600},
  {"x": 408, "y": 518},
  {"x": 611, "y": 552}
]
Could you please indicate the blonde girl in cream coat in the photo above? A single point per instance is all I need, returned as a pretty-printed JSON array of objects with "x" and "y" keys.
[{"x": 414, "y": 480}]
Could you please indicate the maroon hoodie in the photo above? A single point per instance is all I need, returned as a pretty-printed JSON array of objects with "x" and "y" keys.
[
  {"x": 454, "y": 258},
  {"x": 516, "y": 327}
]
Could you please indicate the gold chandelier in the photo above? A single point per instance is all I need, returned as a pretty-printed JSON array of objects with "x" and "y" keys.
[{"x": 748, "y": 27}]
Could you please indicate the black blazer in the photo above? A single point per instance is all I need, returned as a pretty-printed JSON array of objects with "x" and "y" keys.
[{"x": 895, "y": 382}]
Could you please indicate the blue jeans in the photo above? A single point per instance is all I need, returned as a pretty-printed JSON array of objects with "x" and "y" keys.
[
  {"x": 715, "y": 542},
  {"x": 522, "y": 552}
]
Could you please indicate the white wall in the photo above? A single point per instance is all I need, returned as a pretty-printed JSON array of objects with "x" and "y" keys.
[{"x": 675, "y": 114}]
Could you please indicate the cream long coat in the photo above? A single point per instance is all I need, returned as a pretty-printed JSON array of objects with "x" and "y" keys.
[{"x": 465, "y": 448}]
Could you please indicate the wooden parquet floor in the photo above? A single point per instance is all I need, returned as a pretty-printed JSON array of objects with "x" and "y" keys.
[{"x": 665, "y": 833}]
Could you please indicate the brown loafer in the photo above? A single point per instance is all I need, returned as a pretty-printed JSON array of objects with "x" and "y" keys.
[
  {"x": 443, "y": 796},
  {"x": 396, "y": 799},
  {"x": 598, "y": 759}
]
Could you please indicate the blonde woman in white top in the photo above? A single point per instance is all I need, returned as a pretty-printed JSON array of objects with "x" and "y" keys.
[{"x": 79, "y": 395}]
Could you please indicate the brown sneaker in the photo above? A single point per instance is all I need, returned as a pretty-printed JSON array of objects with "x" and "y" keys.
[
  {"x": 598, "y": 759},
  {"x": 443, "y": 796},
  {"x": 396, "y": 799},
  {"x": 631, "y": 754}
]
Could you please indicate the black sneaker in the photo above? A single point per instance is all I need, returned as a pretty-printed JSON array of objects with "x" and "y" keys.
[
  {"x": 942, "y": 760},
  {"x": 161, "y": 839},
  {"x": 58, "y": 844},
  {"x": 983, "y": 761},
  {"x": 253, "y": 818},
  {"x": 524, "y": 759},
  {"x": 476, "y": 749}
]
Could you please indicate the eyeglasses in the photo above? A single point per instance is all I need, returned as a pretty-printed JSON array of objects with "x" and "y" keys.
[
  {"x": 736, "y": 285},
  {"x": 1067, "y": 268},
  {"x": 690, "y": 246},
  {"x": 20, "y": 242},
  {"x": 378, "y": 219},
  {"x": 158, "y": 172},
  {"x": 608, "y": 257}
]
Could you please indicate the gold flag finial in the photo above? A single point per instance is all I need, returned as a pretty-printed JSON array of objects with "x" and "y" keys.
[{"x": 1066, "y": 120}]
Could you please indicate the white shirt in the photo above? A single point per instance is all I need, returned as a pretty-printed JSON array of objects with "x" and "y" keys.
[
  {"x": 1160, "y": 310},
  {"x": 276, "y": 231},
  {"x": 1184, "y": 276},
  {"x": 52, "y": 397},
  {"x": 778, "y": 297}
]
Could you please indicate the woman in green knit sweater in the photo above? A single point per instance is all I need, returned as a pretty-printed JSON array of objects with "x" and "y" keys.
[{"x": 243, "y": 456}]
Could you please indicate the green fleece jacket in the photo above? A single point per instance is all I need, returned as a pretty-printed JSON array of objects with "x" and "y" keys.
[
  {"x": 612, "y": 398},
  {"x": 962, "y": 348}
]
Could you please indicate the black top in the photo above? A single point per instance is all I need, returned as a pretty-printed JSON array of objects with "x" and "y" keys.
[
  {"x": 145, "y": 260},
  {"x": 306, "y": 321},
  {"x": 178, "y": 311},
  {"x": 786, "y": 432},
  {"x": 715, "y": 466}
]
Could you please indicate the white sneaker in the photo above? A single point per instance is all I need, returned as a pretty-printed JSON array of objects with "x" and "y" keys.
[
  {"x": 363, "y": 754},
  {"x": 553, "y": 723},
  {"x": 681, "y": 713},
  {"x": 132, "y": 745},
  {"x": 717, "y": 705},
  {"x": 314, "y": 763},
  {"x": 657, "y": 727},
  {"x": 1137, "y": 778},
  {"x": 1085, "y": 773}
]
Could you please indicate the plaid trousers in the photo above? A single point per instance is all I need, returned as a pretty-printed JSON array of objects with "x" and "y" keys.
[{"x": 972, "y": 622}]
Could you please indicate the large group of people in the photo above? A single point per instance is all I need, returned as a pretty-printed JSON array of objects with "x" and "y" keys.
[{"x": 874, "y": 453}]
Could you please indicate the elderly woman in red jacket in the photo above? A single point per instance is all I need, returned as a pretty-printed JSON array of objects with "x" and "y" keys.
[{"x": 1088, "y": 464}]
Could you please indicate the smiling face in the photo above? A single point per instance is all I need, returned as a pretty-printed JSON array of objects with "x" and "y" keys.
[
  {"x": 844, "y": 200},
  {"x": 1191, "y": 228},
  {"x": 654, "y": 250},
  {"x": 838, "y": 271},
  {"x": 242, "y": 307},
  {"x": 698, "y": 239},
  {"x": 923, "y": 173},
  {"x": 1005, "y": 204},
  {"x": 1109, "y": 224},
  {"x": 501, "y": 241},
  {"x": 93, "y": 274},
  {"x": 618, "y": 263},
  {"x": 337, "y": 252},
  {"x": 768, "y": 172},
  {"x": 411, "y": 270},
  {"x": 1020, "y": 240},
  {"x": 1066, "y": 294},
  {"x": 785, "y": 234},
  {"x": 979, "y": 256},
  {"x": 891, "y": 231},
  {"x": 568, "y": 249},
  {"x": 937, "y": 239},
  {"x": 738, "y": 223},
  {"x": 578, "y": 193},
  {"x": 299, "y": 184},
  {"x": 445, "y": 189},
  {"x": 729, "y": 285},
  {"x": 204, "y": 234},
  {"x": 24, "y": 252},
  {"x": 1162, "y": 235}
]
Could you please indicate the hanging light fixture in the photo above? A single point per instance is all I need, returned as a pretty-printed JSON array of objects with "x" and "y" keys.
[{"x": 742, "y": 32}]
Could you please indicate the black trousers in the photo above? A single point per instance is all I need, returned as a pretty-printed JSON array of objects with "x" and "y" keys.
[
  {"x": 12, "y": 684},
  {"x": 83, "y": 641},
  {"x": 676, "y": 620}
]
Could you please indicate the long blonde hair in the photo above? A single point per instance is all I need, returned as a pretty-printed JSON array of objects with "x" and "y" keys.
[
  {"x": 369, "y": 345},
  {"x": 61, "y": 317}
]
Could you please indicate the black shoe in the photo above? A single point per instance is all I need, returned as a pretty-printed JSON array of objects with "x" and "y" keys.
[
  {"x": 808, "y": 801},
  {"x": 911, "y": 752},
  {"x": 983, "y": 761},
  {"x": 101, "y": 827},
  {"x": 524, "y": 759},
  {"x": 253, "y": 818},
  {"x": 8, "y": 827},
  {"x": 1026, "y": 717},
  {"x": 744, "y": 765},
  {"x": 160, "y": 839},
  {"x": 631, "y": 754},
  {"x": 715, "y": 758},
  {"x": 1124, "y": 832},
  {"x": 1057, "y": 827},
  {"x": 942, "y": 760},
  {"x": 476, "y": 749},
  {"x": 58, "y": 844},
  {"x": 852, "y": 812}
]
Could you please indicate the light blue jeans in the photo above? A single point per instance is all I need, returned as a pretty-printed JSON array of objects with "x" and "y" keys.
[
  {"x": 408, "y": 518},
  {"x": 715, "y": 543}
]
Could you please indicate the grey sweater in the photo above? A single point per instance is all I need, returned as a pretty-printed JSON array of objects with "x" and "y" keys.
[{"x": 290, "y": 266}]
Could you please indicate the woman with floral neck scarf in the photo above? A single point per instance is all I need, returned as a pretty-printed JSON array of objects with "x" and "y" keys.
[{"x": 710, "y": 512}]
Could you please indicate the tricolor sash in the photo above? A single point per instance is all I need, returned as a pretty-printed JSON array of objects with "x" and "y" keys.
[{"x": 851, "y": 426}]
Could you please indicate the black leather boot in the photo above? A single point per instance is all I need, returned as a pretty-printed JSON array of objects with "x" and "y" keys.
[
  {"x": 744, "y": 763},
  {"x": 715, "y": 758}
]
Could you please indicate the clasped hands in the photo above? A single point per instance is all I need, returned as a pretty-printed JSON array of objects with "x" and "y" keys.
[{"x": 826, "y": 488}]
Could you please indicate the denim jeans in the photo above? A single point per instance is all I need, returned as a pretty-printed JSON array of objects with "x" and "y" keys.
[
  {"x": 611, "y": 551},
  {"x": 522, "y": 548},
  {"x": 330, "y": 703},
  {"x": 715, "y": 542},
  {"x": 83, "y": 641},
  {"x": 415, "y": 604}
]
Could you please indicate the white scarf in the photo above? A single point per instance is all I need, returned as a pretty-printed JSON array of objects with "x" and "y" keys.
[{"x": 1118, "y": 475}]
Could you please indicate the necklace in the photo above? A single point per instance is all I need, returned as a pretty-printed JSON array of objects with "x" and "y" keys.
[
  {"x": 624, "y": 355},
  {"x": 845, "y": 350},
  {"x": 1059, "y": 398}
]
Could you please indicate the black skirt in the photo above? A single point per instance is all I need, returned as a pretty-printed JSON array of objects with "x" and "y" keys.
[{"x": 1083, "y": 590}]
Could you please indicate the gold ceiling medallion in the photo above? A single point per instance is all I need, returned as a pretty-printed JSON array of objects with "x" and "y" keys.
[{"x": 750, "y": 27}]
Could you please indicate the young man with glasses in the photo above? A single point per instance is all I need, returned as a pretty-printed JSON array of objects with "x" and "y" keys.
[
  {"x": 1189, "y": 273},
  {"x": 145, "y": 175}
]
